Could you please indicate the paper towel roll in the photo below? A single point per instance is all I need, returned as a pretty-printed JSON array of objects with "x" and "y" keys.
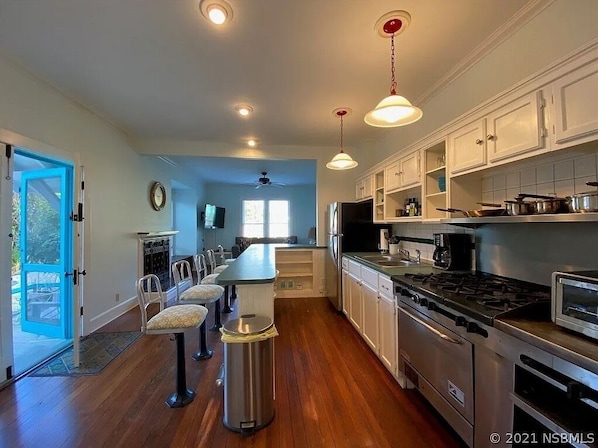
[{"x": 384, "y": 239}]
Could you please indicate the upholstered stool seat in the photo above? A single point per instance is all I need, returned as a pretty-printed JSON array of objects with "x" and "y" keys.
[
  {"x": 174, "y": 320},
  {"x": 188, "y": 292}
]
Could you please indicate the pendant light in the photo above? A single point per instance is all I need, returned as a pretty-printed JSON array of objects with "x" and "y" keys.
[
  {"x": 341, "y": 161},
  {"x": 394, "y": 110}
]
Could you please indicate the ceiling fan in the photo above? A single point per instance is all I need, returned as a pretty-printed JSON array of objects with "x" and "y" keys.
[{"x": 266, "y": 182}]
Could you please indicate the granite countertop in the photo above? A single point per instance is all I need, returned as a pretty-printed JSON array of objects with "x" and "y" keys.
[
  {"x": 256, "y": 264},
  {"x": 534, "y": 326}
]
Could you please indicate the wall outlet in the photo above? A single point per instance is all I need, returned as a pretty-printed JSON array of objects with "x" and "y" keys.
[
  {"x": 290, "y": 284},
  {"x": 117, "y": 297},
  {"x": 283, "y": 284}
]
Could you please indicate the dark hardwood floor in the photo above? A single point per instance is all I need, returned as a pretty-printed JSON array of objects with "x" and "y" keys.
[{"x": 331, "y": 391}]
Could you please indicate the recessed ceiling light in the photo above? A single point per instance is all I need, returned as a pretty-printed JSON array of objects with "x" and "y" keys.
[
  {"x": 243, "y": 109},
  {"x": 252, "y": 143},
  {"x": 216, "y": 11}
]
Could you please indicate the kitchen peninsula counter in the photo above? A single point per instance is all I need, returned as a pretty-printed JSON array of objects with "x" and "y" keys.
[
  {"x": 253, "y": 273},
  {"x": 534, "y": 326}
]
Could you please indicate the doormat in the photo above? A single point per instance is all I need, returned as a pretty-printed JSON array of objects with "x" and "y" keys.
[{"x": 96, "y": 351}]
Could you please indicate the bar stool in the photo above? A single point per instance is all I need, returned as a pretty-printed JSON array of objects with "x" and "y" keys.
[
  {"x": 188, "y": 292},
  {"x": 176, "y": 320},
  {"x": 214, "y": 269},
  {"x": 210, "y": 279}
]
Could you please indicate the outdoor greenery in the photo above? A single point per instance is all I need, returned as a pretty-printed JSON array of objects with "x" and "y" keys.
[{"x": 43, "y": 224}]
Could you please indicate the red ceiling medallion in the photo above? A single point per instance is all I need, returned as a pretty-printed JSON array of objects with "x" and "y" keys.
[{"x": 394, "y": 22}]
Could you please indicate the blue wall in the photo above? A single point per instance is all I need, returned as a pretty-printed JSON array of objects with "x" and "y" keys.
[{"x": 302, "y": 206}]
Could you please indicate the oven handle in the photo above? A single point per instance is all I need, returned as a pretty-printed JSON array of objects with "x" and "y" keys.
[{"x": 431, "y": 328}]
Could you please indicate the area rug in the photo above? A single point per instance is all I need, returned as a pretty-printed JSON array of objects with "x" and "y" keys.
[{"x": 96, "y": 351}]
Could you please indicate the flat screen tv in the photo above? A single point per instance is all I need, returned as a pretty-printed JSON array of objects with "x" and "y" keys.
[{"x": 214, "y": 217}]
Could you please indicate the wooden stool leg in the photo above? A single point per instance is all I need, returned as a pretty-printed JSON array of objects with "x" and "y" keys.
[
  {"x": 217, "y": 322},
  {"x": 204, "y": 352},
  {"x": 182, "y": 396},
  {"x": 227, "y": 300}
]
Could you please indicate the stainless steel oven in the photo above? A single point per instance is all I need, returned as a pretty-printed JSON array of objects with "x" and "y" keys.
[{"x": 575, "y": 301}]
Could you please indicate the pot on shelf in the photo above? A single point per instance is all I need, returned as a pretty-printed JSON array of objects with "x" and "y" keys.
[
  {"x": 519, "y": 207},
  {"x": 544, "y": 205},
  {"x": 585, "y": 202}
]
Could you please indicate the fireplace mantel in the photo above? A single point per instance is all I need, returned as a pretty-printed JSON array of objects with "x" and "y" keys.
[{"x": 156, "y": 234}]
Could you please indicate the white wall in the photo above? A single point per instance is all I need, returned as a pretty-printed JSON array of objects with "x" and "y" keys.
[
  {"x": 302, "y": 207},
  {"x": 185, "y": 220},
  {"x": 37, "y": 117}
]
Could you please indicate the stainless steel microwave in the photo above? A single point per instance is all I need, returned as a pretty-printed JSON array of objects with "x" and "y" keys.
[{"x": 575, "y": 301}]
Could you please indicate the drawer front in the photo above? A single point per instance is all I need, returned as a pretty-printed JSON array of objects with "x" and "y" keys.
[
  {"x": 369, "y": 277},
  {"x": 355, "y": 269},
  {"x": 385, "y": 286}
]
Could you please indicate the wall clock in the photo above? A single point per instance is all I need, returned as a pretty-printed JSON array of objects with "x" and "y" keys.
[{"x": 158, "y": 196}]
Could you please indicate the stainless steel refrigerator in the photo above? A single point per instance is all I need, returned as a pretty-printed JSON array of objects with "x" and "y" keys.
[{"x": 350, "y": 229}]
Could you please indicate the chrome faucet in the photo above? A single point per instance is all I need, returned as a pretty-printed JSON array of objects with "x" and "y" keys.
[{"x": 405, "y": 253}]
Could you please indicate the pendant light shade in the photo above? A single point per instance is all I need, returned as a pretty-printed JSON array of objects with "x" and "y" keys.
[
  {"x": 394, "y": 110},
  {"x": 341, "y": 161}
]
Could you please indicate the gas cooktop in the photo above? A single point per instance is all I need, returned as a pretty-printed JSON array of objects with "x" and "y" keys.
[{"x": 477, "y": 294}]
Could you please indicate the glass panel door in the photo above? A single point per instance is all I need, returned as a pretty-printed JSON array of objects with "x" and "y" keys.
[{"x": 46, "y": 253}]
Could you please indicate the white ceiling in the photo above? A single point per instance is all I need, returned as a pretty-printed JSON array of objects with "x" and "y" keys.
[{"x": 158, "y": 69}]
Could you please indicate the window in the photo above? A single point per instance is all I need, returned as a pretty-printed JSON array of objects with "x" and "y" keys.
[{"x": 265, "y": 218}]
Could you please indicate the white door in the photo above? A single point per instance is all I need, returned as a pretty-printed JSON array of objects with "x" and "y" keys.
[{"x": 6, "y": 350}]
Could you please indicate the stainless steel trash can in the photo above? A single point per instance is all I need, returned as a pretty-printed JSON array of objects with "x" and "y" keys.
[{"x": 248, "y": 373}]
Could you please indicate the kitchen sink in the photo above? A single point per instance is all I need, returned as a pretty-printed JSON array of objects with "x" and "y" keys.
[
  {"x": 397, "y": 263},
  {"x": 388, "y": 260}
]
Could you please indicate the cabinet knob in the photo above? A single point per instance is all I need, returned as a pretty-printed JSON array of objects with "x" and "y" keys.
[
  {"x": 479, "y": 141},
  {"x": 490, "y": 137}
]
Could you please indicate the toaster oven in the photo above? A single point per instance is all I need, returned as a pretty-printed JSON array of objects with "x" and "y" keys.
[{"x": 575, "y": 301}]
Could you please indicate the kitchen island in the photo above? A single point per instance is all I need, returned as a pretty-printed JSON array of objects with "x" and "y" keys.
[{"x": 253, "y": 273}]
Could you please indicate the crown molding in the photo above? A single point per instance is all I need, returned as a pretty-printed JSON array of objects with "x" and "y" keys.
[{"x": 518, "y": 21}]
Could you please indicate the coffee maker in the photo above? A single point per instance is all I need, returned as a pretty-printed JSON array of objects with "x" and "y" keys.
[{"x": 452, "y": 251}]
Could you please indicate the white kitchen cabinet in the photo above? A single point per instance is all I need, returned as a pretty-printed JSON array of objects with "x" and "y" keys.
[
  {"x": 513, "y": 129},
  {"x": 387, "y": 323},
  {"x": 435, "y": 181},
  {"x": 345, "y": 287},
  {"x": 516, "y": 128},
  {"x": 355, "y": 300},
  {"x": 363, "y": 188},
  {"x": 403, "y": 172},
  {"x": 300, "y": 273},
  {"x": 467, "y": 147},
  {"x": 379, "y": 196},
  {"x": 370, "y": 316},
  {"x": 369, "y": 293},
  {"x": 575, "y": 107}
]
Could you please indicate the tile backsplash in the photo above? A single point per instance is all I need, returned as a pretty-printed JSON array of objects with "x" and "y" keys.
[
  {"x": 426, "y": 231},
  {"x": 561, "y": 178}
]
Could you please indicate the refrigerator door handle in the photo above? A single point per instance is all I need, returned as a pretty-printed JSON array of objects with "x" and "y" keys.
[{"x": 334, "y": 234}]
